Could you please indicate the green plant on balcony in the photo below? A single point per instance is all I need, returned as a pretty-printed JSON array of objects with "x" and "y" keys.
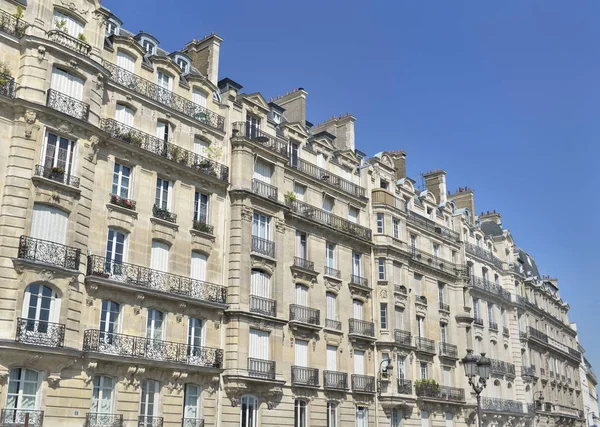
[
  {"x": 82, "y": 38},
  {"x": 174, "y": 153},
  {"x": 5, "y": 74},
  {"x": 60, "y": 25},
  {"x": 19, "y": 13},
  {"x": 130, "y": 138},
  {"x": 427, "y": 386},
  {"x": 290, "y": 197}
]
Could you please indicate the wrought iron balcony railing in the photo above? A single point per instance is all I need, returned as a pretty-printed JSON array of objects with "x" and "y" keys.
[
  {"x": 16, "y": 417},
  {"x": 425, "y": 345},
  {"x": 432, "y": 226},
  {"x": 440, "y": 392},
  {"x": 478, "y": 321},
  {"x": 492, "y": 404},
  {"x": 305, "y": 376},
  {"x": 448, "y": 350},
  {"x": 359, "y": 281},
  {"x": 263, "y": 246},
  {"x": 505, "y": 330},
  {"x": 362, "y": 327},
  {"x": 67, "y": 105},
  {"x": 70, "y": 42},
  {"x": 403, "y": 337},
  {"x": 304, "y": 263},
  {"x": 164, "y": 96},
  {"x": 401, "y": 289},
  {"x": 335, "y": 380},
  {"x": 261, "y": 305},
  {"x": 404, "y": 386},
  {"x": 328, "y": 177},
  {"x": 167, "y": 150},
  {"x": 272, "y": 143},
  {"x": 122, "y": 202},
  {"x": 96, "y": 341},
  {"x": 300, "y": 313},
  {"x": 164, "y": 214},
  {"x": 421, "y": 299},
  {"x": 97, "y": 419},
  {"x": 538, "y": 335},
  {"x": 491, "y": 287},
  {"x": 259, "y": 368},
  {"x": 528, "y": 371},
  {"x": 333, "y": 272},
  {"x": 147, "y": 278},
  {"x": 363, "y": 383},
  {"x": 39, "y": 332},
  {"x": 56, "y": 174},
  {"x": 329, "y": 219},
  {"x": 203, "y": 227},
  {"x": 520, "y": 299},
  {"x": 7, "y": 83},
  {"x": 333, "y": 324},
  {"x": 12, "y": 25},
  {"x": 43, "y": 251},
  {"x": 500, "y": 367},
  {"x": 444, "y": 306},
  {"x": 483, "y": 254},
  {"x": 432, "y": 260},
  {"x": 574, "y": 353},
  {"x": 264, "y": 189},
  {"x": 493, "y": 325},
  {"x": 148, "y": 421},
  {"x": 192, "y": 422}
]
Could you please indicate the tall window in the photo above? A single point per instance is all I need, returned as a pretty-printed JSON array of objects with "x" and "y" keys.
[
  {"x": 446, "y": 376},
  {"x": 401, "y": 361},
  {"x": 436, "y": 250},
  {"x": 124, "y": 115},
  {"x": 294, "y": 155},
  {"x": 327, "y": 203},
  {"x": 67, "y": 84},
  {"x": 195, "y": 336},
  {"x": 396, "y": 228},
  {"x": 164, "y": 131},
  {"x": 476, "y": 313},
  {"x": 109, "y": 320},
  {"x": 149, "y": 402},
  {"x": 198, "y": 266},
  {"x": 192, "y": 409},
  {"x": 399, "y": 312},
  {"x": 353, "y": 214},
  {"x": 154, "y": 325},
  {"x": 441, "y": 289},
  {"x": 381, "y": 268},
  {"x": 102, "y": 397},
  {"x": 201, "y": 147},
  {"x": 163, "y": 194},
  {"x": 164, "y": 80},
  {"x": 259, "y": 345},
  {"x": 383, "y": 313},
  {"x": 362, "y": 416},
  {"x": 125, "y": 61},
  {"x": 68, "y": 24},
  {"x": 22, "y": 392},
  {"x": 58, "y": 154},
  {"x": 356, "y": 264},
  {"x": 121, "y": 176},
  {"x": 330, "y": 260},
  {"x": 299, "y": 191},
  {"x": 260, "y": 284},
  {"x": 249, "y": 411},
  {"x": 417, "y": 283},
  {"x": 413, "y": 241},
  {"x": 198, "y": 96},
  {"x": 159, "y": 259},
  {"x": 420, "y": 326},
  {"x": 263, "y": 171},
  {"x": 491, "y": 316},
  {"x": 252, "y": 126},
  {"x": 40, "y": 304},
  {"x": 331, "y": 414},
  {"x": 380, "y": 223},
  {"x": 331, "y": 306},
  {"x": 332, "y": 358},
  {"x": 423, "y": 370},
  {"x": 301, "y": 246},
  {"x": 301, "y": 295},
  {"x": 299, "y": 413},
  {"x": 301, "y": 353},
  {"x": 115, "y": 249},
  {"x": 397, "y": 417},
  {"x": 357, "y": 309},
  {"x": 261, "y": 226},
  {"x": 201, "y": 208},
  {"x": 443, "y": 333},
  {"x": 48, "y": 223}
]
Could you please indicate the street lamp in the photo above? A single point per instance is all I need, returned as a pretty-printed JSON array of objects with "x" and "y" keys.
[
  {"x": 384, "y": 370},
  {"x": 477, "y": 366}
]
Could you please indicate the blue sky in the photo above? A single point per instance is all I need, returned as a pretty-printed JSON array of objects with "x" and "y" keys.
[{"x": 502, "y": 95}]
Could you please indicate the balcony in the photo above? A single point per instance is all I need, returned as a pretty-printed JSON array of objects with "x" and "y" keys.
[
  {"x": 478, "y": 321},
  {"x": 574, "y": 353},
  {"x": 490, "y": 287},
  {"x": 203, "y": 227},
  {"x": 263, "y": 246},
  {"x": 335, "y": 325},
  {"x": 520, "y": 300},
  {"x": 45, "y": 252},
  {"x": 335, "y": 380},
  {"x": 483, "y": 254},
  {"x": 7, "y": 83},
  {"x": 359, "y": 281},
  {"x": 271, "y": 143},
  {"x": 438, "y": 392},
  {"x": 403, "y": 338},
  {"x": 265, "y": 306},
  {"x": 191, "y": 422},
  {"x": 384, "y": 197},
  {"x": 96, "y": 341},
  {"x": 329, "y": 178},
  {"x": 448, "y": 350},
  {"x": 505, "y": 330},
  {"x": 492, "y": 404},
  {"x": 493, "y": 326},
  {"x": 302, "y": 314},
  {"x": 421, "y": 299},
  {"x": 327, "y": 218},
  {"x": 444, "y": 306},
  {"x": 122, "y": 202},
  {"x": 103, "y": 420},
  {"x": 538, "y": 335},
  {"x": 9, "y": 24},
  {"x": 164, "y": 214},
  {"x": 431, "y": 225},
  {"x": 528, "y": 371},
  {"x": 166, "y": 150},
  {"x": 404, "y": 386},
  {"x": 67, "y": 105},
  {"x": 304, "y": 264},
  {"x": 259, "y": 368},
  {"x": 401, "y": 289},
  {"x": 16, "y": 417},
  {"x": 39, "y": 332},
  {"x": 264, "y": 189},
  {"x": 73, "y": 43},
  {"x": 147, "y": 421},
  {"x": 305, "y": 376},
  {"x": 332, "y": 272},
  {"x": 363, "y": 384},
  {"x": 163, "y": 96},
  {"x": 425, "y": 345},
  {"x": 154, "y": 280},
  {"x": 362, "y": 328},
  {"x": 500, "y": 367},
  {"x": 56, "y": 174},
  {"x": 432, "y": 261}
]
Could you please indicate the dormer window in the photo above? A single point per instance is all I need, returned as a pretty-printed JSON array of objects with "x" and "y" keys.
[
  {"x": 184, "y": 65},
  {"x": 111, "y": 28},
  {"x": 149, "y": 47},
  {"x": 384, "y": 184},
  {"x": 276, "y": 117}
]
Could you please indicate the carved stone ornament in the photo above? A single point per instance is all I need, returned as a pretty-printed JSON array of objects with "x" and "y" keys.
[
  {"x": 54, "y": 380},
  {"x": 30, "y": 118},
  {"x": 73, "y": 7},
  {"x": 99, "y": 81},
  {"x": 3, "y": 376},
  {"x": 383, "y": 293},
  {"x": 41, "y": 53},
  {"x": 280, "y": 226},
  {"x": 73, "y": 63},
  {"x": 332, "y": 285},
  {"x": 247, "y": 213},
  {"x": 94, "y": 147},
  {"x": 46, "y": 276}
]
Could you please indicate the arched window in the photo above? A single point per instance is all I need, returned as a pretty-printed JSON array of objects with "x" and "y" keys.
[
  {"x": 124, "y": 114},
  {"x": 102, "y": 399},
  {"x": 22, "y": 396},
  {"x": 299, "y": 413},
  {"x": 249, "y": 411},
  {"x": 66, "y": 83},
  {"x": 192, "y": 409},
  {"x": 67, "y": 24}
]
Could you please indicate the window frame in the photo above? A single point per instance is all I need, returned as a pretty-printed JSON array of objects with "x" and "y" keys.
[
  {"x": 380, "y": 223},
  {"x": 383, "y": 315},
  {"x": 249, "y": 405}
]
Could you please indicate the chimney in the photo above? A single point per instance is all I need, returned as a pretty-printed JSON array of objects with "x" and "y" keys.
[
  {"x": 491, "y": 216},
  {"x": 205, "y": 56},
  {"x": 399, "y": 158},
  {"x": 294, "y": 103},
  {"x": 435, "y": 181},
  {"x": 464, "y": 198}
]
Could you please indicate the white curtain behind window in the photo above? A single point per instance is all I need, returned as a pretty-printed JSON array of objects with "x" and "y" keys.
[
  {"x": 67, "y": 84},
  {"x": 48, "y": 223}
]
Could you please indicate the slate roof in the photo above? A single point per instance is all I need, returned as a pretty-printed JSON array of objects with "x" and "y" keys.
[{"x": 490, "y": 228}]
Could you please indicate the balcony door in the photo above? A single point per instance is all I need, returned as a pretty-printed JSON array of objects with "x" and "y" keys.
[
  {"x": 259, "y": 344},
  {"x": 263, "y": 171},
  {"x": 159, "y": 256},
  {"x": 192, "y": 403},
  {"x": 116, "y": 252},
  {"x": 22, "y": 394},
  {"x": 49, "y": 223},
  {"x": 126, "y": 62},
  {"x": 301, "y": 245},
  {"x": 401, "y": 368},
  {"x": 331, "y": 306},
  {"x": 359, "y": 362},
  {"x": 252, "y": 126},
  {"x": 356, "y": 264},
  {"x": 302, "y": 295},
  {"x": 40, "y": 304},
  {"x": 260, "y": 284},
  {"x": 71, "y": 26},
  {"x": 102, "y": 397},
  {"x": 301, "y": 353},
  {"x": 149, "y": 402},
  {"x": 362, "y": 416},
  {"x": 331, "y": 358},
  {"x": 261, "y": 226},
  {"x": 124, "y": 115},
  {"x": 195, "y": 336},
  {"x": 57, "y": 157},
  {"x": 358, "y": 309},
  {"x": 67, "y": 84},
  {"x": 199, "y": 97},
  {"x": 198, "y": 266},
  {"x": 109, "y": 321},
  {"x": 154, "y": 325}
]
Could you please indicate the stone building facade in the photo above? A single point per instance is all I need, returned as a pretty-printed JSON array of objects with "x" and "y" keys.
[{"x": 276, "y": 275}]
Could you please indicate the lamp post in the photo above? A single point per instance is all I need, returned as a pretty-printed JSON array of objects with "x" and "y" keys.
[
  {"x": 473, "y": 368},
  {"x": 384, "y": 370}
]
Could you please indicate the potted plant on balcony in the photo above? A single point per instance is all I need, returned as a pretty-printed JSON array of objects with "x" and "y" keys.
[
  {"x": 427, "y": 387},
  {"x": 82, "y": 38},
  {"x": 5, "y": 74},
  {"x": 290, "y": 197},
  {"x": 57, "y": 174},
  {"x": 60, "y": 25}
]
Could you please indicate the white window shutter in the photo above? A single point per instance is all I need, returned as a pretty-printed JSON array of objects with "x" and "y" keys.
[
  {"x": 262, "y": 171},
  {"x": 359, "y": 362},
  {"x": 331, "y": 306},
  {"x": 49, "y": 223},
  {"x": 260, "y": 285},
  {"x": 125, "y": 61},
  {"x": 358, "y": 309},
  {"x": 160, "y": 256},
  {"x": 299, "y": 191},
  {"x": 302, "y": 295},
  {"x": 124, "y": 115},
  {"x": 198, "y": 271},
  {"x": 201, "y": 147},
  {"x": 199, "y": 97},
  {"x": 331, "y": 358},
  {"x": 301, "y": 353},
  {"x": 259, "y": 344}
]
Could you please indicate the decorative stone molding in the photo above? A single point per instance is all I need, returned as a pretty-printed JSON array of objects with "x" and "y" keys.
[
  {"x": 247, "y": 213},
  {"x": 73, "y": 7},
  {"x": 54, "y": 380},
  {"x": 41, "y": 53}
]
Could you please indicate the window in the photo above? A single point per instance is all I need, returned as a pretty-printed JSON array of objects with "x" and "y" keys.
[
  {"x": 396, "y": 228},
  {"x": 331, "y": 306},
  {"x": 383, "y": 312},
  {"x": 159, "y": 258},
  {"x": 252, "y": 126},
  {"x": 362, "y": 416},
  {"x": 491, "y": 316},
  {"x": 381, "y": 268},
  {"x": 299, "y": 191},
  {"x": 330, "y": 261},
  {"x": 384, "y": 184},
  {"x": 423, "y": 370},
  {"x": 356, "y": 264},
  {"x": 259, "y": 346},
  {"x": 58, "y": 155},
  {"x": 301, "y": 353},
  {"x": 417, "y": 283},
  {"x": 294, "y": 155},
  {"x": 195, "y": 337},
  {"x": 399, "y": 312},
  {"x": 149, "y": 47},
  {"x": 436, "y": 250},
  {"x": 201, "y": 147},
  {"x": 249, "y": 411},
  {"x": 192, "y": 409},
  {"x": 154, "y": 325},
  {"x": 102, "y": 397},
  {"x": 413, "y": 241},
  {"x": 260, "y": 284},
  {"x": 380, "y": 223},
  {"x": 125, "y": 61},
  {"x": 397, "y": 417},
  {"x": 109, "y": 321},
  {"x": 42, "y": 305},
  {"x": 420, "y": 326},
  {"x": 301, "y": 295},
  {"x": 261, "y": 226},
  {"x": 115, "y": 250},
  {"x": 493, "y": 350},
  {"x": 401, "y": 367},
  {"x": 443, "y": 333},
  {"x": 331, "y": 414},
  {"x": 353, "y": 214},
  {"x": 163, "y": 194},
  {"x": 301, "y": 246},
  {"x": 48, "y": 223},
  {"x": 357, "y": 309},
  {"x": 183, "y": 64},
  {"x": 201, "y": 208},
  {"x": 331, "y": 358},
  {"x": 454, "y": 257},
  {"x": 111, "y": 28},
  {"x": 321, "y": 162},
  {"x": 424, "y": 419},
  {"x": 121, "y": 177},
  {"x": 299, "y": 413},
  {"x": 328, "y": 203},
  {"x": 124, "y": 114},
  {"x": 276, "y": 117},
  {"x": 198, "y": 266},
  {"x": 149, "y": 402},
  {"x": 198, "y": 96},
  {"x": 441, "y": 289},
  {"x": 476, "y": 313},
  {"x": 22, "y": 393},
  {"x": 68, "y": 24},
  {"x": 449, "y": 419},
  {"x": 164, "y": 130},
  {"x": 67, "y": 84}
]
